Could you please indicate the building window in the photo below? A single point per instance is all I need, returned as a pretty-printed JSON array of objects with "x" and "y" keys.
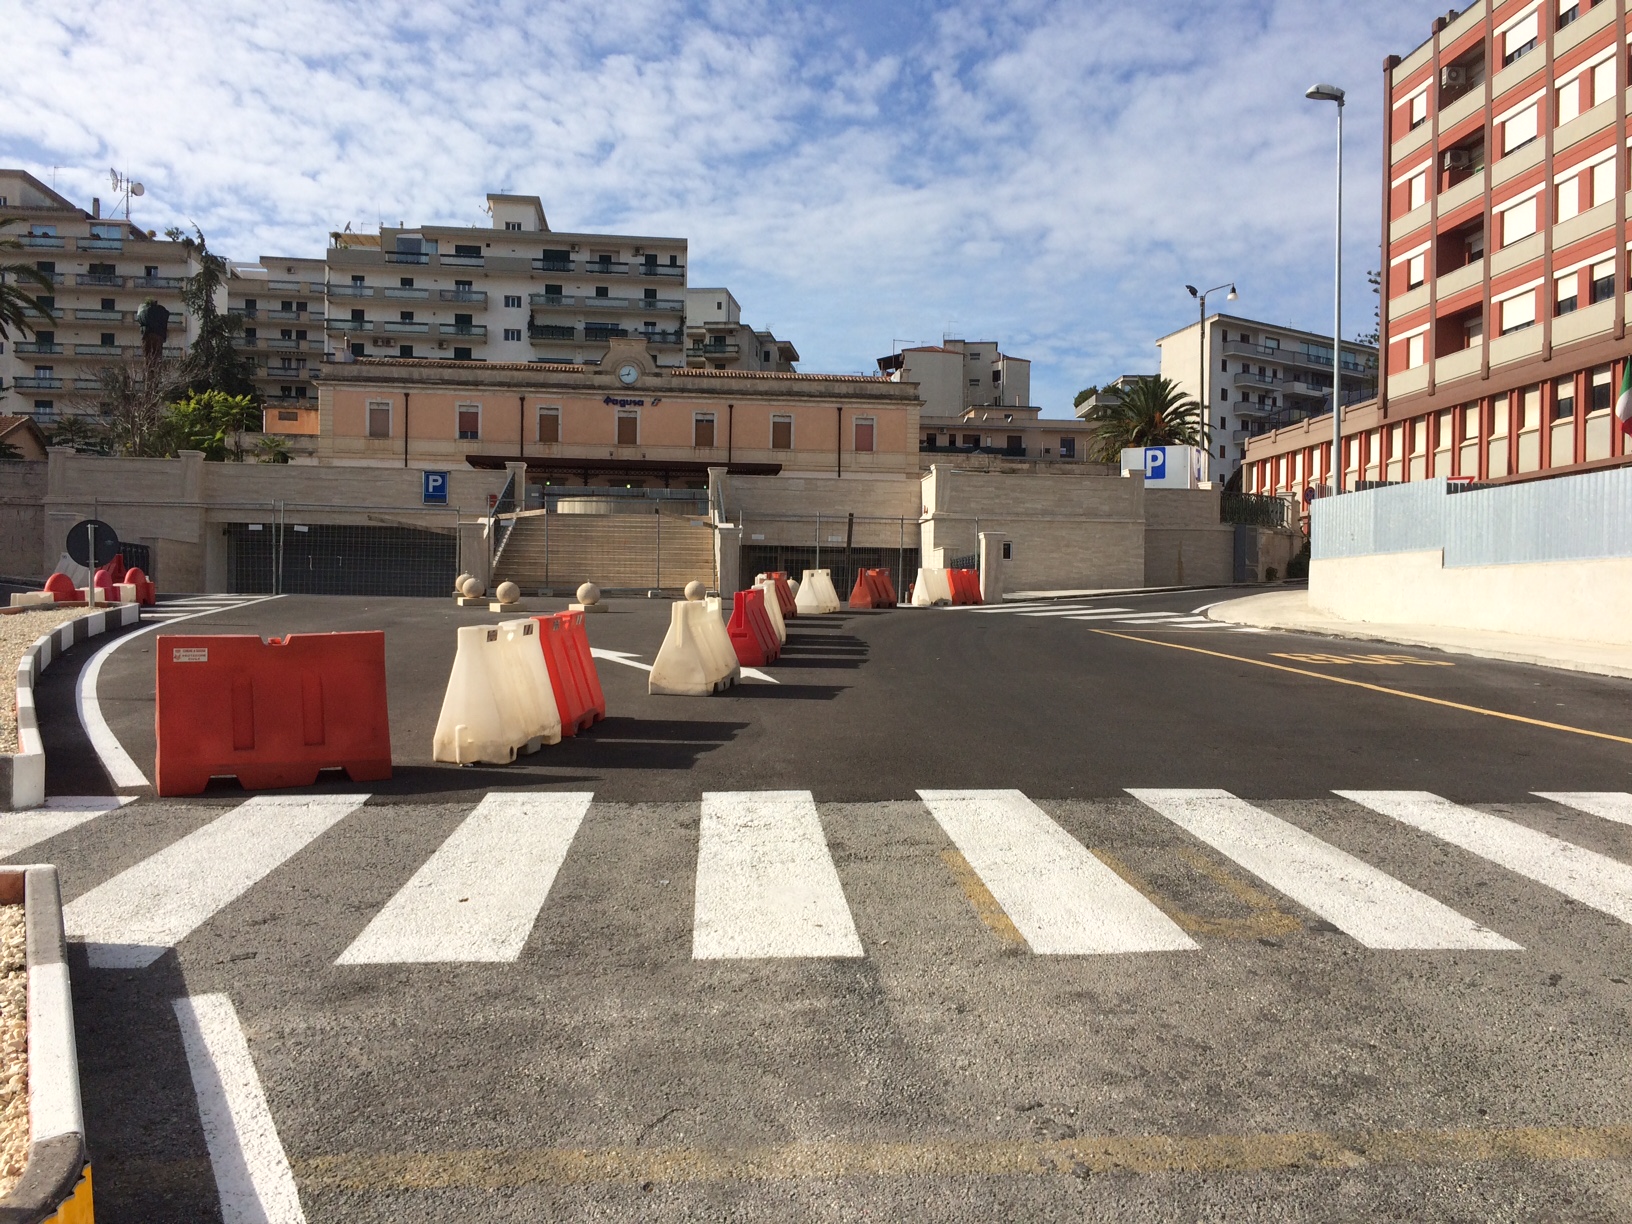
[
  {"x": 512, "y": 225},
  {"x": 512, "y": 299},
  {"x": 1568, "y": 198},
  {"x": 1414, "y": 350},
  {"x": 1224, "y": 393},
  {"x": 602, "y": 291},
  {"x": 628, "y": 427},
  {"x": 1569, "y": 101},
  {"x": 1603, "y": 281},
  {"x": 1518, "y": 221},
  {"x": 1519, "y": 130},
  {"x": 1419, "y": 189},
  {"x": 512, "y": 333},
  {"x": 359, "y": 350},
  {"x": 1068, "y": 448},
  {"x": 864, "y": 434},
  {"x": 650, "y": 295},
  {"x": 549, "y": 425},
  {"x": 1416, "y": 270},
  {"x": 1419, "y": 110},
  {"x": 782, "y": 433},
  {"x": 1568, "y": 11},
  {"x": 1603, "y": 182},
  {"x": 1564, "y": 291},
  {"x": 1518, "y": 312},
  {"x": 1520, "y": 37},
  {"x": 1563, "y": 399},
  {"x": 702, "y": 430},
  {"x": 469, "y": 421},
  {"x": 379, "y": 418},
  {"x": 1603, "y": 81},
  {"x": 461, "y": 354},
  {"x": 1603, "y": 394},
  {"x": 405, "y": 350}
]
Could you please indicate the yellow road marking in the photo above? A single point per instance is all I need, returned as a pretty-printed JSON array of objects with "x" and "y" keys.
[
  {"x": 1376, "y": 688},
  {"x": 1266, "y": 920},
  {"x": 504, "y": 1168},
  {"x": 987, "y": 908},
  {"x": 1373, "y": 660}
]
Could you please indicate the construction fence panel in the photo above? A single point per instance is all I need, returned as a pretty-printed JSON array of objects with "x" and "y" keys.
[
  {"x": 841, "y": 543},
  {"x": 549, "y": 552}
]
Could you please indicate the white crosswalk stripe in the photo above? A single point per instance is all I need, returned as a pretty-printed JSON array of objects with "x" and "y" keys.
[
  {"x": 766, "y": 884},
  {"x": 1361, "y": 901},
  {"x": 20, "y": 830},
  {"x": 477, "y": 897},
  {"x": 130, "y": 921},
  {"x": 1611, "y": 805},
  {"x": 1580, "y": 874},
  {"x": 1113, "y": 615},
  {"x": 1057, "y": 894}
]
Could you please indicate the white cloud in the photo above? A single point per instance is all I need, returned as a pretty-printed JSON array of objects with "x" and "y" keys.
[{"x": 1048, "y": 175}]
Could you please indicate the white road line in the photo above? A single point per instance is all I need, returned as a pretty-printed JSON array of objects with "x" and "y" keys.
[
  {"x": 1014, "y": 607},
  {"x": 131, "y": 920},
  {"x": 478, "y": 896},
  {"x": 1081, "y": 612},
  {"x": 1062, "y": 898},
  {"x": 1611, "y": 805},
  {"x": 766, "y": 884},
  {"x": 20, "y": 830},
  {"x": 629, "y": 660},
  {"x": 1592, "y": 879},
  {"x": 1364, "y": 903},
  {"x": 252, "y": 1173},
  {"x": 122, "y": 771}
]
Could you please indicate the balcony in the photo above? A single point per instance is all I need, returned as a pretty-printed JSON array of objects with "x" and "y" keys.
[
  {"x": 156, "y": 282},
  {"x": 351, "y": 291},
  {"x": 98, "y": 278},
  {"x": 551, "y": 299},
  {"x": 244, "y": 312},
  {"x": 603, "y": 331},
  {"x": 98, "y": 350},
  {"x": 664, "y": 304},
  {"x": 243, "y": 342},
  {"x": 477, "y": 297},
  {"x": 478, "y": 330},
  {"x": 279, "y": 342},
  {"x": 101, "y": 316},
  {"x": 552, "y": 265},
  {"x": 34, "y": 346},
  {"x": 605, "y": 267},
  {"x": 285, "y": 316},
  {"x": 661, "y": 270},
  {"x": 36, "y": 382},
  {"x": 100, "y": 244},
  {"x": 47, "y": 241},
  {"x": 461, "y": 261},
  {"x": 714, "y": 350},
  {"x": 406, "y": 327},
  {"x": 406, "y": 291},
  {"x": 356, "y": 325},
  {"x": 1265, "y": 379},
  {"x": 87, "y": 384},
  {"x": 295, "y": 286},
  {"x": 604, "y": 303},
  {"x": 545, "y": 331},
  {"x": 407, "y": 257},
  {"x": 656, "y": 339},
  {"x": 313, "y": 346}
]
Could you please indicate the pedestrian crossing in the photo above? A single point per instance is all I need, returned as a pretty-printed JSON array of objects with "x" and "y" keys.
[
  {"x": 1076, "y": 610},
  {"x": 767, "y": 886},
  {"x": 194, "y": 605}
]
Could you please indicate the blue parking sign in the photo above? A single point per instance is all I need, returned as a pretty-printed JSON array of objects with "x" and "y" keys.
[
  {"x": 1155, "y": 463},
  {"x": 436, "y": 488}
]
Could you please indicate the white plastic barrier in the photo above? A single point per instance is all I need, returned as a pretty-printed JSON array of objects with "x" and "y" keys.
[
  {"x": 690, "y": 662},
  {"x": 773, "y": 608},
  {"x": 931, "y": 587},
  {"x": 499, "y": 701},
  {"x": 816, "y": 594}
]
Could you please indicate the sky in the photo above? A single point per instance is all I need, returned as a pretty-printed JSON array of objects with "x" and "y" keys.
[{"x": 861, "y": 176}]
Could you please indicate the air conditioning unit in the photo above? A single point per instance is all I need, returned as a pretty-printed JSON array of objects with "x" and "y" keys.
[
  {"x": 1453, "y": 77},
  {"x": 1457, "y": 159}
]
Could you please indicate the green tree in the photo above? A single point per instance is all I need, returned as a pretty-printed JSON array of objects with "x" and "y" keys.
[
  {"x": 1152, "y": 411},
  {"x": 130, "y": 407},
  {"x": 212, "y": 422},
  {"x": 81, "y": 432},
  {"x": 16, "y": 300},
  {"x": 272, "y": 448},
  {"x": 9, "y": 453},
  {"x": 212, "y": 363}
]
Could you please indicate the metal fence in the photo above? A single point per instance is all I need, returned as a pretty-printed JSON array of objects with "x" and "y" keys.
[
  {"x": 1567, "y": 518},
  {"x": 841, "y": 544},
  {"x": 1254, "y": 510},
  {"x": 283, "y": 557}
]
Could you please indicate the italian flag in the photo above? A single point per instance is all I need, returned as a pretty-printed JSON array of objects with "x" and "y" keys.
[{"x": 1623, "y": 405}]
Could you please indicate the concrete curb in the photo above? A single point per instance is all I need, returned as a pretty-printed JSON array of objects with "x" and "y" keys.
[
  {"x": 56, "y": 1183},
  {"x": 1472, "y": 643},
  {"x": 22, "y": 774}
]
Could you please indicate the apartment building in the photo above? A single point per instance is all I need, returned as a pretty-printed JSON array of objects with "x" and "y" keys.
[
  {"x": 718, "y": 339},
  {"x": 103, "y": 268},
  {"x": 283, "y": 303},
  {"x": 1505, "y": 222},
  {"x": 1259, "y": 377}
]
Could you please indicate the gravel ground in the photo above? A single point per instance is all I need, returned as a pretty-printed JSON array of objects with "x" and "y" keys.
[
  {"x": 17, "y": 633},
  {"x": 13, "y": 1047}
]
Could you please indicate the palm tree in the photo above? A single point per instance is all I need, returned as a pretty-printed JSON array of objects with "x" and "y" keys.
[
  {"x": 16, "y": 302},
  {"x": 1152, "y": 411}
]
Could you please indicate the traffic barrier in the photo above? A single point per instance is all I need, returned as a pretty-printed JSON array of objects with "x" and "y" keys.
[
  {"x": 753, "y": 637},
  {"x": 62, "y": 587},
  {"x": 930, "y": 588},
  {"x": 499, "y": 701},
  {"x": 773, "y": 609},
  {"x": 573, "y": 678},
  {"x": 878, "y": 582},
  {"x": 862, "y": 594},
  {"x": 146, "y": 593},
  {"x": 784, "y": 594},
  {"x": 272, "y": 713},
  {"x": 965, "y": 586},
  {"x": 816, "y": 595},
  {"x": 690, "y": 662}
]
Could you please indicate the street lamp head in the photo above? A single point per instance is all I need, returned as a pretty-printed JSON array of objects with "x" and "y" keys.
[
  {"x": 1193, "y": 291},
  {"x": 1231, "y": 296},
  {"x": 1324, "y": 93}
]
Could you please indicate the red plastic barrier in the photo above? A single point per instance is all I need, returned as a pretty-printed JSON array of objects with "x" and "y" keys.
[
  {"x": 146, "y": 594},
  {"x": 862, "y": 595},
  {"x": 888, "y": 586},
  {"x": 784, "y": 594},
  {"x": 591, "y": 678},
  {"x": 965, "y": 584},
  {"x": 271, "y": 714},
  {"x": 750, "y": 629},
  {"x": 883, "y": 592},
  {"x": 102, "y": 581},
  {"x": 573, "y": 679},
  {"x": 62, "y": 587}
]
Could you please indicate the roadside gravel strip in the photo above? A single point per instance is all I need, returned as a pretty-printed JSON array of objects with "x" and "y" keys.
[
  {"x": 18, "y": 632},
  {"x": 14, "y": 1133}
]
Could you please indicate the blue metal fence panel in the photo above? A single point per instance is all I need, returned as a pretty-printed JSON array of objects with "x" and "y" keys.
[{"x": 1569, "y": 518}]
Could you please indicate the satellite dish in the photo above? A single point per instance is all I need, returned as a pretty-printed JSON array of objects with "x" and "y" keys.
[
  {"x": 137, "y": 189},
  {"x": 113, "y": 177}
]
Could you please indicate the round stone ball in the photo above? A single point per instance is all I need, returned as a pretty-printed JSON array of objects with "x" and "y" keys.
[
  {"x": 588, "y": 594},
  {"x": 471, "y": 588},
  {"x": 695, "y": 590},
  {"x": 508, "y": 592},
  {"x": 459, "y": 584}
]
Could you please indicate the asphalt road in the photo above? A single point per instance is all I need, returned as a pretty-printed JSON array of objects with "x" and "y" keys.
[{"x": 1264, "y": 1047}]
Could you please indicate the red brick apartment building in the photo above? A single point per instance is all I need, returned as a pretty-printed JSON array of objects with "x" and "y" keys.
[{"x": 1504, "y": 301}]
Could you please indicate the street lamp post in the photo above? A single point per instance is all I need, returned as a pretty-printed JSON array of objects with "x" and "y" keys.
[
  {"x": 1331, "y": 93},
  {"x": 1201, "y": 382}
]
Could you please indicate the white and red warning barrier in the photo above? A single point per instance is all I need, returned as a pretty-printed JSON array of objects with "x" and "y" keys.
[
  {"x": 697, "y": 657},
  {"x": 816, "y": 596}
]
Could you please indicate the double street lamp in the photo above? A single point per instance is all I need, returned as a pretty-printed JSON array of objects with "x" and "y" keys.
[
  {"x": 1201, "y": 382},
  {"x": 1331, "y": 93}
]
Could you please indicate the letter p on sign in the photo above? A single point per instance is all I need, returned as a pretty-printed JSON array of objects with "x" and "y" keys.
[{"x": 1155, "y": 463}]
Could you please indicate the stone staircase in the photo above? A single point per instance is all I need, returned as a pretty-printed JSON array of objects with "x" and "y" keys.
[{"x": 617, "y": 552}]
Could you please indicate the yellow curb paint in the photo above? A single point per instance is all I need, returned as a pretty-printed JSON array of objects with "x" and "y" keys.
[
  {"x": 1376, "y": 688},
  {"x": 1267, "y": 919},
  {"x": 986, "y": 906},
  {"x": 500, "y": 1168}
]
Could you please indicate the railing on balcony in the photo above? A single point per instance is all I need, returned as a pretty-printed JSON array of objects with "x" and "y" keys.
[
  {"x": 551, "y": 299},
  {"x": 659, "y": 303},
  {"x": 99, "y": 278},
  {"x": 713, "y": 350},
  {"x": 279, "y": 342},
  {"x": 100, "y": 244},
  {"x": 478, "y": 296},
  {"x": 661, "y": 270},
  {"x": 245, "y": 341},
  {"x": 101, "y": 316},
  {"x": 244, "y": 312},
  {"x": 50, "y": 241},
  {"x": 603, "y": 303},
  {"x": 655, "y": 338},
  {"x": 351, "y": 291},
  {"x": 603, "y": 331},
  {"x": 97, "y": 350},
  {"x": 156, "y": 282},
  {"x": 552, "y": 265},
  {"x": 605, "y": 266},
  {"x": 87, "y": 384},
  {"x": 35, "y": 346},
  {"x": 479, "y": 330},
  {"x": 286, "y": 316},
  {"x": 407, "y": 257},
  {"x": 406, "y": 327},
  {"x": 461, "y": 261},
  {"x": 36, "y": 382},
  {"x": 348, "y": 325},
  {"x": 548, "y": 331},
  {"x": 405, "y": 291},
  {"x": 295, "y": 286}
]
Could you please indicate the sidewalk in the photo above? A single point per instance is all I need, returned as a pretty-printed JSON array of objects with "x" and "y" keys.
[{"x": 1289, "y": 610}]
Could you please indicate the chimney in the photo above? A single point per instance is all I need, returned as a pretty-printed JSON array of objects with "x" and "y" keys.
[{"x": 96, "y": 206}]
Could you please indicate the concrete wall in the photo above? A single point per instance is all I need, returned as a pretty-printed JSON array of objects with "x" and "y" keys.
[
  {"x": 22, "y": 520},
  {"x": 784, "y": 509},
  {"x": 1580, "y": 600},
  {"x": 1185, "y": 544},
  {"x": 1068, "y": 531}
]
